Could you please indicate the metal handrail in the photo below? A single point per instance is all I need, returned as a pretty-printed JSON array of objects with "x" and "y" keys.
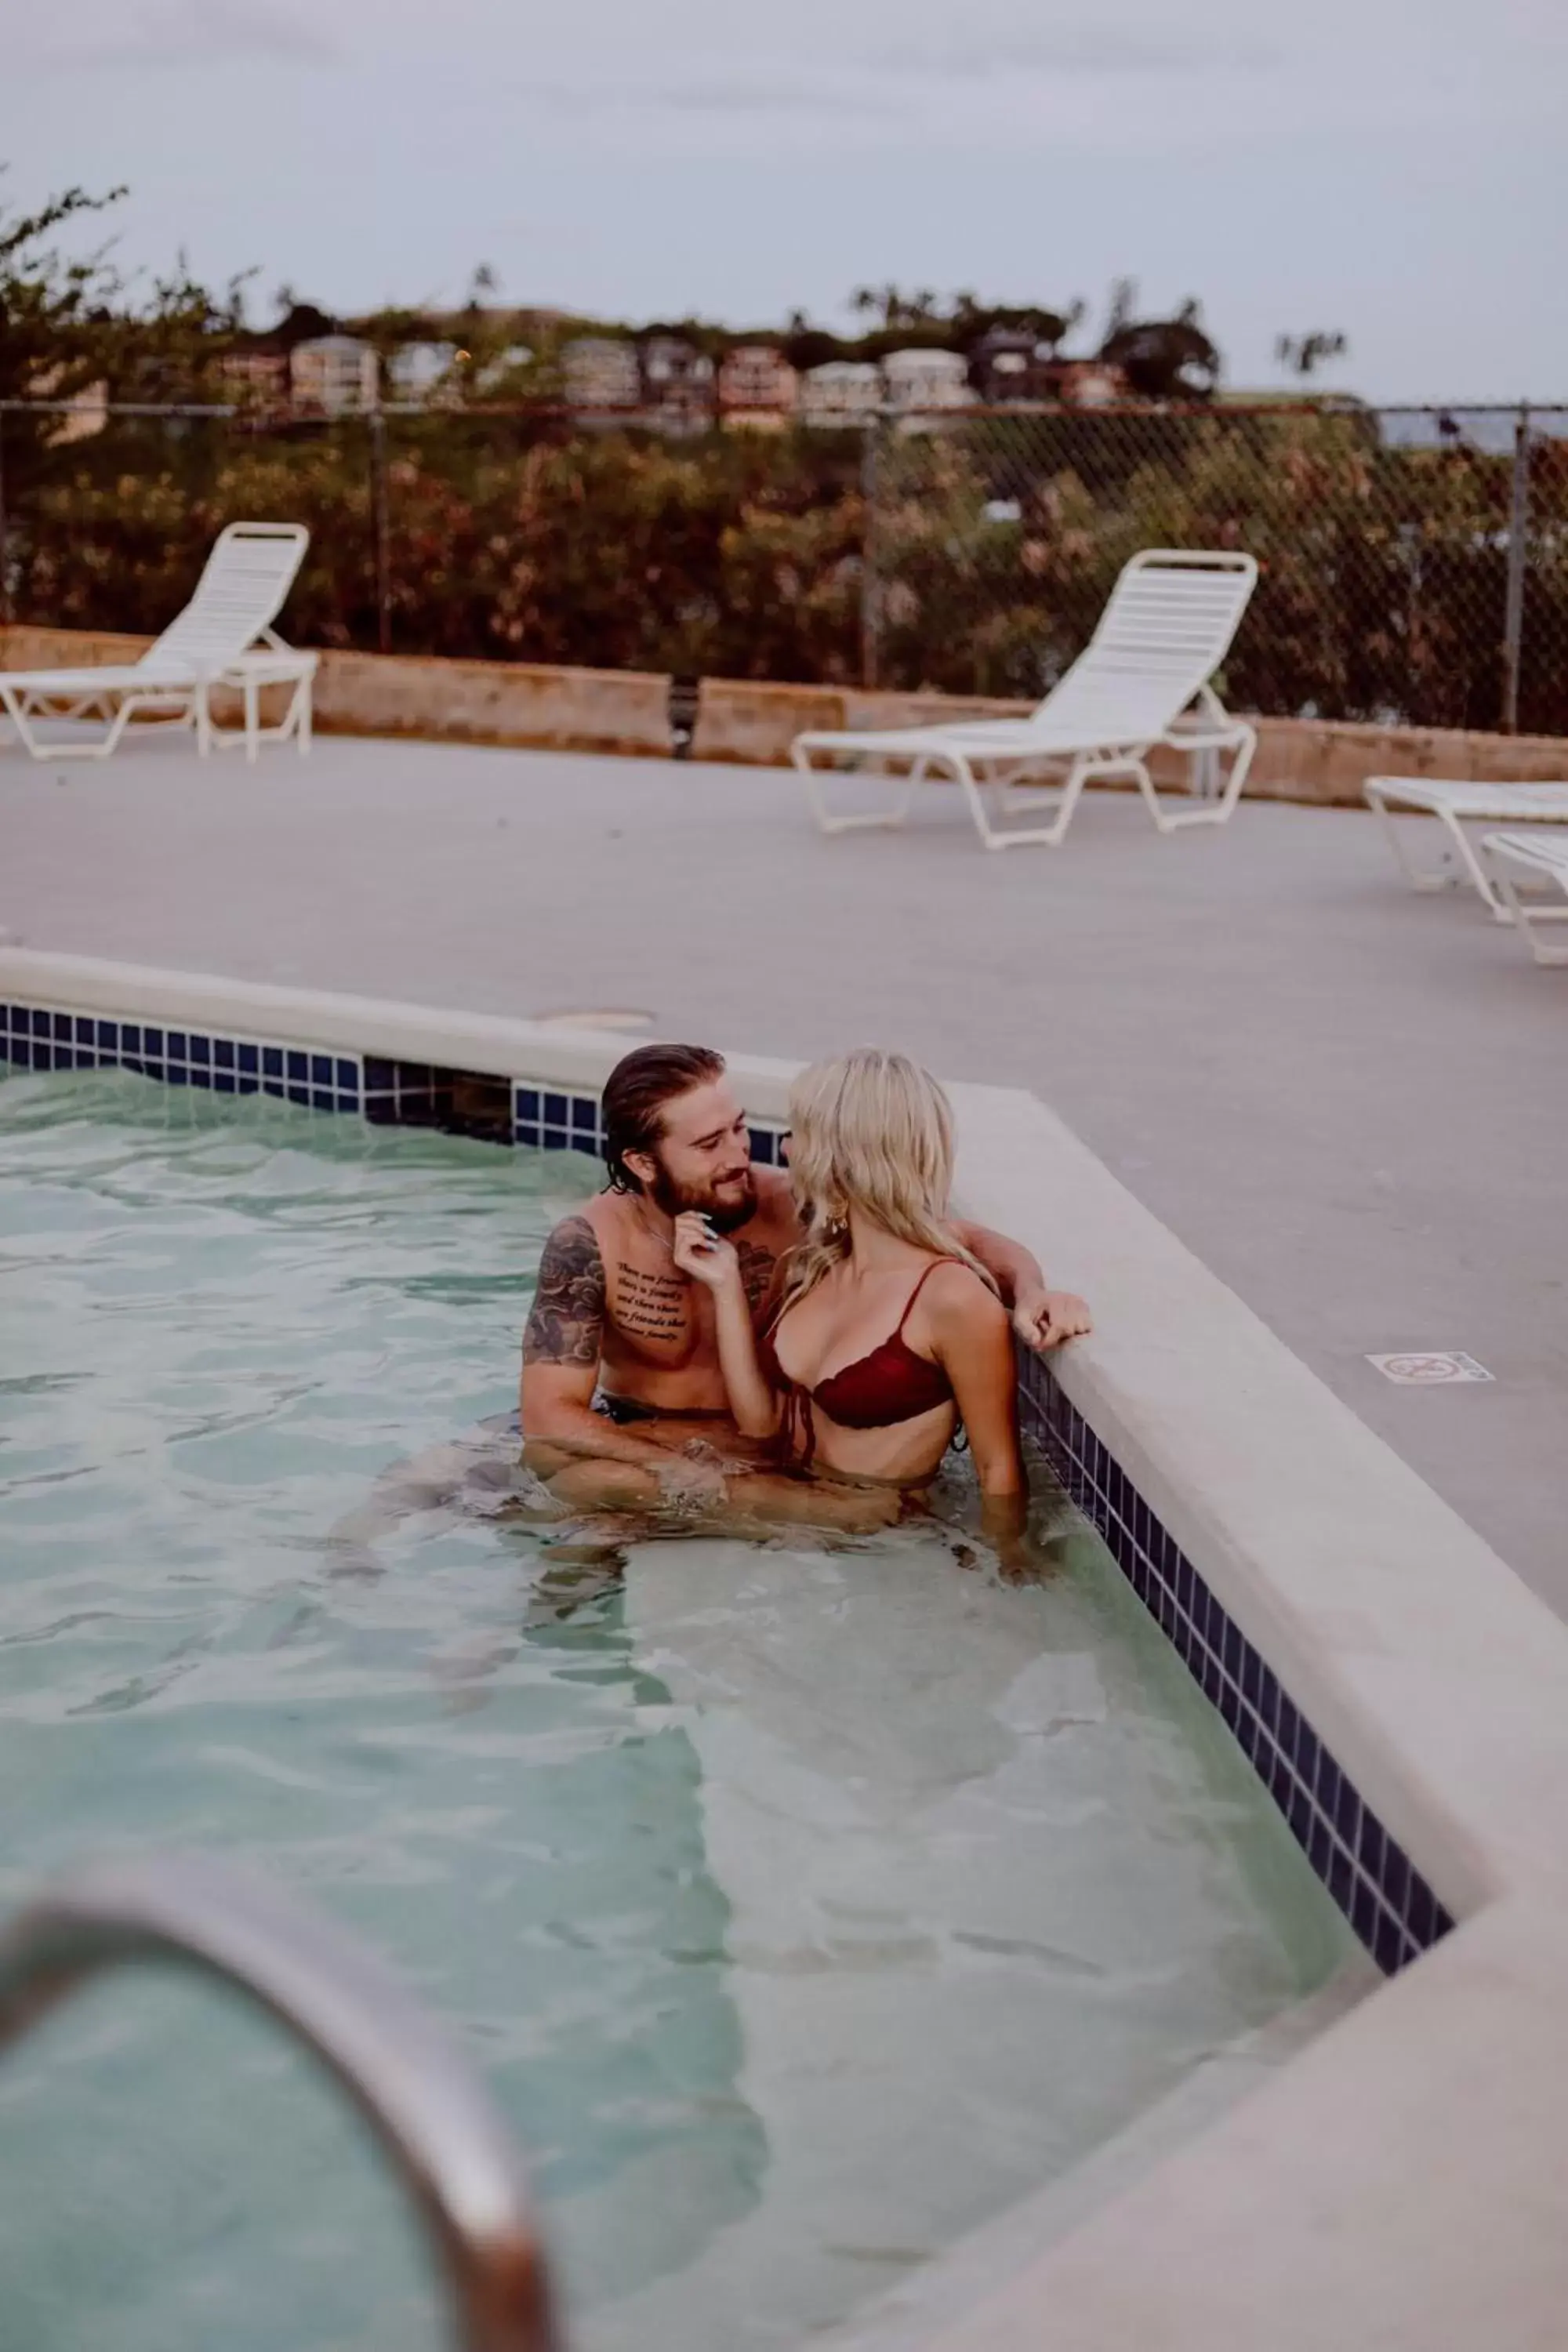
[{"x": 421, "y": 2098}]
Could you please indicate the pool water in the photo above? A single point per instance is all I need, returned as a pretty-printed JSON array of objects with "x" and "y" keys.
[{"x": 802, "y": 1908}]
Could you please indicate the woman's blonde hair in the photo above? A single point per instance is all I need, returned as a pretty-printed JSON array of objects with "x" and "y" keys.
[{"x": 871, "y": 1131}]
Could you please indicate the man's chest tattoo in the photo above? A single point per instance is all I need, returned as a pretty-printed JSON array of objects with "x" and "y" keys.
[{"x": 652, "y": 1305}]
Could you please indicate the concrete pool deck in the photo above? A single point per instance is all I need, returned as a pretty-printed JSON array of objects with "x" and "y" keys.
[{"x": 1339, "y": 1095}]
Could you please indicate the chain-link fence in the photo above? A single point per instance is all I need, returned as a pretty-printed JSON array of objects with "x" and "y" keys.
[{"x": 1414, "y": 561}]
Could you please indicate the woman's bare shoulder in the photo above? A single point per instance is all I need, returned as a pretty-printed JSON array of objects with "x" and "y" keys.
[{"x": 957, "y": 1298}]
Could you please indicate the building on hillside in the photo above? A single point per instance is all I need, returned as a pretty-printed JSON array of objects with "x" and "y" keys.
[
  {"x": 419, "y": 371},
  {"x": 333, "y": 375},
  {"x": 757, "y": 386},
  {"x": 677, "y": 382},
  {"x": 921, "y": 382},
  {"x": 1009, "y": 363},
  {"x": 255, "y": 369},
  {"x": 254, "y": 374},
  {"x": 1089, "y": 383},
  {"x": 599, "y": 372},
  {"x": 496, "y": 374},
  {"x": 841, "y": 393}
]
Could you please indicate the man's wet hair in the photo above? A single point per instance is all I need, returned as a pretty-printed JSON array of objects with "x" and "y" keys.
[{"x": 635, "y": 1096}]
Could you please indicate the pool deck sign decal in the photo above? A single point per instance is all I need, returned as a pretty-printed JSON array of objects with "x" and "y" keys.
[{"x": 1429, "y": 1368}]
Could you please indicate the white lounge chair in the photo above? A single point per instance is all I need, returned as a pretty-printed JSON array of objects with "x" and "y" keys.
[
  {"x": 1141, "y": 680},
  {"x": 1538, "y": 863},
  {"x": 223, "y": 638},
  {"x": 1454, "y": 806}
]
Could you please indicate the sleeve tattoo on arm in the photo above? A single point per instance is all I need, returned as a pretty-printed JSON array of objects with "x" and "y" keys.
[
  {"x": 757, "y": 1269},
  {"x": 566, "y": 1322}
]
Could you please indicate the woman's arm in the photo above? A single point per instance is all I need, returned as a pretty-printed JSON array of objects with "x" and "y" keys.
[
  {"x": 700, "y": 1252},
  {"x": 972, "y": 1340}
]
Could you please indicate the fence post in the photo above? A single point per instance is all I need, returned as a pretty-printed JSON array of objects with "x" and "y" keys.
[
  {"x": 870, "y": 585},
  {"x": 382, "y": 529},
  {"x": 1518, "y": 556},
  {"x": 5, "y": 614}
]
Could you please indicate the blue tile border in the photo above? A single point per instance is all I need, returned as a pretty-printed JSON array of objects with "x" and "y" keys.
[
  {"x": 382, "y": 1090},
  {"x": 39, "y": 1037},
  {"x": 1389, "y": 1904}
]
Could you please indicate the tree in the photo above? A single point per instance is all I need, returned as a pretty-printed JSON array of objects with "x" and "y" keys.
[
  {"x": 52, "y": 309},
  {"x": 485, "y": 280},
  {"x": 923, "y": 318},
  {"x": 1304, "y": 354},
  {"x": 1119, "y": 315},
  {"x": 66, "y": 324},
  {"x": 1163, "y": 359},
  {"x": 811, "y": 347}
]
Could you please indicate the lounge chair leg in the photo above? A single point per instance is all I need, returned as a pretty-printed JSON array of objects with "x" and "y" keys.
[
  {"x": 1471, "y": 865},
  {"x": 11, "y": 705},
  {"x": 1151, "y": 798},
  {"x": 23, "y": 719},
  {"x": 817, "y": 799},
  {"x": 20, "y": 720},
  {"x": 1216, "y": 810},
  {"x": 1073, "y": 793},
  {"x": 964, "y": 773},
  {"x": 120, "y": 723},
  {"x": 1530, "y": 921},
  {"x": 1035, "y": 836},
  {"x": 1420, "y": 877},
  {"x": 1455, "y": 868}
]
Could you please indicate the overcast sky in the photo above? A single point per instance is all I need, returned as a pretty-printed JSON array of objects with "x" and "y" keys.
[{"x": 1397, "y": 169}]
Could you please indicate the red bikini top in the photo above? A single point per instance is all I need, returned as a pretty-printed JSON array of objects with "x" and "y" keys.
[{"x": 888, "y": 1385}]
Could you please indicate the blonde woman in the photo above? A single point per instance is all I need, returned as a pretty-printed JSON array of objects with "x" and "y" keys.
[{"x": 886, "y": 1332}]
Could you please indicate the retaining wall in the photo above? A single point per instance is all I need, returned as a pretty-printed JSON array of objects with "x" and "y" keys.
[{"x": 533, "y": 704}]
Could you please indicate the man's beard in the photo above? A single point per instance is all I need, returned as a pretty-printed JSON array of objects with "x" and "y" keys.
[{"x": 726, "y": 1216}]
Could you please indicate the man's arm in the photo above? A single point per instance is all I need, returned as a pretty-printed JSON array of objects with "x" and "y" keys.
[
  {"x": 560, "y": 1347},
  {"x": 1041, "y": 1318}
]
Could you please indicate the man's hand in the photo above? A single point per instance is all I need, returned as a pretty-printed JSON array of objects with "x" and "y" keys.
[
  {"x": 728, "y": 1465},
  {"x": 1044, "y": 1318},
  {"x": 689, "y": 1483}
]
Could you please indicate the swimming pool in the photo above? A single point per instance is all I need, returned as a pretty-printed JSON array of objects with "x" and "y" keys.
[{"x": 803, "y": 1909}]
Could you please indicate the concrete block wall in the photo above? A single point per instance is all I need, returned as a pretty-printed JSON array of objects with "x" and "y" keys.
[{"x": 752, "y": 723}]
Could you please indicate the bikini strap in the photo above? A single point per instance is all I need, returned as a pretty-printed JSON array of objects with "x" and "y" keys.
[{"x": 910, "y": 1307}]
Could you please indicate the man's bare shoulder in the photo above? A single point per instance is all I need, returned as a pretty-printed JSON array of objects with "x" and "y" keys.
[
  {"x": 609, "y": 1218},
  {"x": 775, "y": 1201},
  {"x": 567, "y": 1320}
]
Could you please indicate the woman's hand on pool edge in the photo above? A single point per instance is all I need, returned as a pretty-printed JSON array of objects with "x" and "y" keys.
[
  {"x": 1045, "y": 1318},
  {"x": 704, "y": 1255}
]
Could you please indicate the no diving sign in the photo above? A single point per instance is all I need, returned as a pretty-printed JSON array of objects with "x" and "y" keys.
[{"x": 1429, "y": 1368}]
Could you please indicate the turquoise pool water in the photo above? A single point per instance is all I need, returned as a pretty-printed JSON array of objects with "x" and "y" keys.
[{"x": 803, "y": 1909}]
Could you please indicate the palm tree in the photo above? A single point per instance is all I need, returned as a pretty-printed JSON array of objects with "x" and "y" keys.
[{"x": 1304, "y": 354}]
